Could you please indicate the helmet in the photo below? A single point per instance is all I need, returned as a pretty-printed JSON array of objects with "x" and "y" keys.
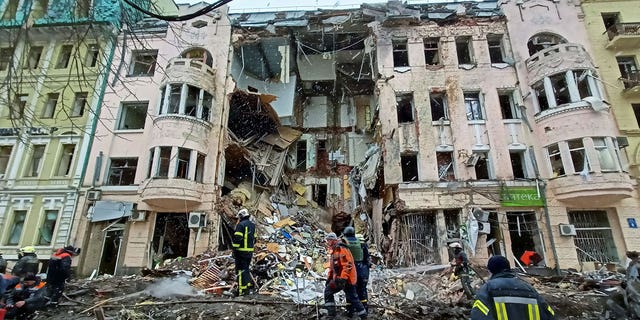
[
  {"x": 72, "y": 250},
  {"x": 455, "y": 245},
  {"x": 28, "y": 249},
  {"x": 349, "y": 231},
  {"x": 243, "y": 213}
]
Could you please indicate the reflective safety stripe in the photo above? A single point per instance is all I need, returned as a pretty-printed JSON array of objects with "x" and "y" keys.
[
  {"x": 481, "y": 306},
  {"x": 236, "y": 245},
  {"x": 238, "y": 233},
  {"x": 501, "y": 311},
  {"x": 519, "y": 300},
  {"x": 246, "y": 237},
  {"x": 551, "y": 310},
  {"x": 244, "y": 249}
]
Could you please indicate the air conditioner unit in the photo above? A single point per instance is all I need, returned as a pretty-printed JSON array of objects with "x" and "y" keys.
[
  {"x": 473, "y": 160},
  {"x": 94, "y": 195},
  {"x": 484, "y": 227},
  {"x": 567, "y": 229},
  {"x": 197, "y": 220},
  {"x": 138, "y": 215}
]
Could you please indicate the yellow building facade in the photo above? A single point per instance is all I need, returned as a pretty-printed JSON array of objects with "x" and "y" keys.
[{"x": 614, "y": 31}]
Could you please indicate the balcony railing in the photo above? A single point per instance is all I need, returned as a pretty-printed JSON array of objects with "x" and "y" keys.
[
  {"x": 556, "y": 59},
  {"x": 624, "y": 29},
  {"x": 631, "y": 79}
]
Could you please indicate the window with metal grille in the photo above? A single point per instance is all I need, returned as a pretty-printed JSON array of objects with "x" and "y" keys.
[
  {"x": 418, "y": 239},
  {"x": 594, "y": 238}
]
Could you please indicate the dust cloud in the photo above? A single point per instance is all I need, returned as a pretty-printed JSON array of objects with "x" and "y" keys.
[{"x": 171, "y": 287}]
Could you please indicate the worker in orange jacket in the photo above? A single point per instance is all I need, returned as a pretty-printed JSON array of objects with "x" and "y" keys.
[{"x": 342, "y": 277}]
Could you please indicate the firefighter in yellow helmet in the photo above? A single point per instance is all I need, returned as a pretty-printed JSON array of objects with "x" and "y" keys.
[{"x": 27, "y": 262}]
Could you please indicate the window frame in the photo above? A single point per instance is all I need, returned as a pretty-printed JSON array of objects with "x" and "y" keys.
[
  {"x": 78, "y": 111},
  {"x": 29, "y": 169},
  {"x": 445, "y": 105},
  {"x": 48, "y": 106},
  {"x": 132, "y": 171},
  {"x": 23, "y": 214},
  {"x": 499, "y": 46},
  {"x": 64, "y": 56},
  {"x": 71, "y": 160},
  {"x": 46, "y": 221},
  {"x": 401, "y": 104},
  {"x": 585, "y": 156},
  {"x": 563, "y": 171},
  {"x": 123, "y": 114},
  {"x": 414, "y": 156},
  {"x": 430, "y": 49},
  {"x": 135, "y": 54},
  {"x": 605, "y": 147},
  {"x": 35, "y": 53},
  {"x": 468, "y": 42},
  {"x": 478, "y": 115},
  {"x": 400, "y": 52},
  {"x": 5, "y": 167},
  {"x": 92, "y": 55},
  {"x": 513, "y": 105}
]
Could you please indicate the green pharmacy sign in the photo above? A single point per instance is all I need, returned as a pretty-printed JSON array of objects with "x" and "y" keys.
[{"x": 520, "y": 197}]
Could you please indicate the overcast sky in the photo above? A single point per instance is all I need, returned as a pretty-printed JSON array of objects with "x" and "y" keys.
[{"x": 240, "y": 5}]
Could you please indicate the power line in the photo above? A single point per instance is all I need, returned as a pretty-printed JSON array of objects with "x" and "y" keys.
[{"x": 190, "y": 16}]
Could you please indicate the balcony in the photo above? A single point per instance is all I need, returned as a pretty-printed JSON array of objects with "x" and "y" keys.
[
  {"x": 624, "y": 36},
  {"x": 194, "y": 71},
  {"x": 556, "y": 59},
  {"x": 172, "y": 129},
  {"x": 631, "y": 82},
  {"x": 598, "y": 189},
  {"x": 171, "y": 193}
]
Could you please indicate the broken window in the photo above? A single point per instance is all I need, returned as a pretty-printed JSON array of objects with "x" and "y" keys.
[
  {"x": 174, "y": 98},
  {"x": 507, "y": 105},
  {"x": 578, "y": 156},
  {"x": 610, "y": 20},
  {"x": 64, "y": 56},
  {"x": 439, "y": 109},
  {"x": 82, "y": 8},
  {"x": 35, "y": 53},
  {"x": 541, "y": 95},
  {"x": 191, "y": 105},
  {"x": 40, "y": 8},
  {"x": 400, "y": 53},
  {"x": 418, "y": 238},
  {"x": 182, "y": 167},
  {"x": 464, "y": 50},
  {"x": 79, "y": 102},
  {"x": 199, "y": 54},
  {"x": 6, "y": 56},
  {"x": 431, "y": 51},
  {"x": 605, "y": 154},
  {"x": 409, "y": 163},
  {"x": 122, "y": 171},
  {"x": 47, "y": 227},
  {"x": 452, "y": 223},
  {"x": 150, "y": 162},
  {"x": 132, "y": 115},
  {"x": 473, "y": 106},
  {"x": 66, "y": 160},
  {"x": 207, "y": 103},
  {"x": 496, "y": 48},
  {"x": 143, "y": 63},
  {"x": 320, "y": 194},
  {"x": 524, "y": 232},
  {"x": 582, "y": 82},
  {"x": 560, "y": 88},
  {"x": 163, "y": 164},
  {"x": 301, "y": 155},
  {"x": 636, "y": 112},
  {"x": 594, "y": 237},
  {"x": 543, "y": 41},
  {"x": 91, "y": 58},
  {"x": 555, "y": 160},
  {"x": 445, "y": 166},
  {"x": 518, "y": 164},
  {"x": 628, "y": 71},
  {"x": 5, "y": 156},
  {"x": 19, "y": 216},
  {"x": 482, "y": 166},
  {"x": 200, "y": 167},
  {"x": 10, "y": 10},
  {"x": 404, "y": 103},
  {"x": 37, "y": 155},
  {"x": 170, "y": 236},
  {"x": 18, "y": 106}
]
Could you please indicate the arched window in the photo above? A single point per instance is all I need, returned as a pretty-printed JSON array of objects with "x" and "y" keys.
[
  {"x": 543, "y": 41},
  {"x": 199, "y": 54}
]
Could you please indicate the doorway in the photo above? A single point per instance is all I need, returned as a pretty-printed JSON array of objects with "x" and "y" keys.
[
  {"x": 111, "y": 250},
  {"x": 525, "y": 233},
  {"x": 170, "y": 236}
]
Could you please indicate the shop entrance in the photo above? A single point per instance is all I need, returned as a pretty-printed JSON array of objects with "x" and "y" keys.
[
  {"x": 170, "y": 236},
  {"x": 525, "y": 233}
]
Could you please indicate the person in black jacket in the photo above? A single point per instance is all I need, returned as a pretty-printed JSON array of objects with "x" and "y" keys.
[
  {"x": 243, "y": 241},
  {"x": 25, "y": 298},
  {"x": 59, "y": 271},
  {"x": 360, "y": 252},
  {"x": 507, "y": 297},
  {"x": 27, "y": 262}
]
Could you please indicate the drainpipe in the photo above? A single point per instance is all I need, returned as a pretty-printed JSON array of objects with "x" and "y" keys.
[
  {"x": 543, "y": 194},
  {"x": 96, "y": 116}
]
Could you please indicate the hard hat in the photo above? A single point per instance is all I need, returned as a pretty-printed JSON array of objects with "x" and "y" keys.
[
  {"x": 331, "y": 236},
  {"x": 360, "y": 237},
  {"x": 243, "y": 213},
  {"x": 72, "y": 250},
  {"x": 349, "y": 231},
  {"x": 455, "y": 245},
  {"x": 28, "y": 249}
]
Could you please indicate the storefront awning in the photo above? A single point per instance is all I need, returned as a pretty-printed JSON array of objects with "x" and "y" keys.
[{"x": 110, "y": 210}]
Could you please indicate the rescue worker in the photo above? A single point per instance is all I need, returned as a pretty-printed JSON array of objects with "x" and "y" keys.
[
  {"x": 25, "y": 298},
  {"x": 27, "y": 262},
  {"x": 626, "y": 302},
  {"x": 460, "y": 260},
  {"x": 507, "y": 297},
  {"x": 360, "y": 252},
  {"x": 7, "y": 281},
  {"x": 59, "y": 271},
  {"x": 342, "y": 277},
  {"x": 243, "y": 241}
]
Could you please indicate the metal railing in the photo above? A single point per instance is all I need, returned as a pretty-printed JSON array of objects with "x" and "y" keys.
[
  {"x": 631, "y": 79},
  {"x": 623, "y": 29}
]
